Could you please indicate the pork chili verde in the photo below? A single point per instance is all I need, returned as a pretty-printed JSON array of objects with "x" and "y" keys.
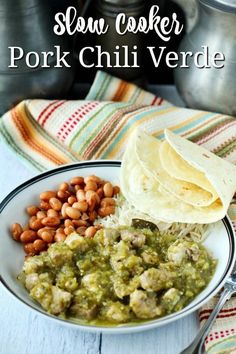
[{"x": 121, "y": 275}]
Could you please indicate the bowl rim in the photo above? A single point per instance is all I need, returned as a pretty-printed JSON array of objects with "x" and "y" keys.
[{"x": 126, "y": 328}]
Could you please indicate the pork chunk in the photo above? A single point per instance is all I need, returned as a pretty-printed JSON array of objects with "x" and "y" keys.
[
  {"x": 60, "y": 300},
  {"x": 116, "y": 312},
  {"x": 136, "y": 239},
  {"x": 181, "y": 250},
  {"x": 60, "y": 254},
  {"x": 33, "y": 265},
  {"x": 121, "y": 253},
  {"x": 110, "y": 236},
  {"x": 155, "y": 279},
  {"x": 193, "y": 252},
  {"x": 51, "y": 298},
  {"x": 122, "y": 288},
  {"x": 31, "y": 280},
  {"x": 150, "y": 257},
  {"x": 177, "y": 253},
  {"x": 170, "y": 299},
  {"x": 84, "y": 311},
  {"x": 84, "y": 305},
  {"x": 76, "y": 243},
  {"x": 144, "y": 304},
  {"x": 91, "y": 281},
  {"x": 34, "y": 278}
]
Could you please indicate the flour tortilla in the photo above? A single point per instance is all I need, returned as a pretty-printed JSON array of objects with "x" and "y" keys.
[
  {"x": 149, "y": 153},
  {"x": 201, "y": 193},
  {"x": 178, "y": 168}
]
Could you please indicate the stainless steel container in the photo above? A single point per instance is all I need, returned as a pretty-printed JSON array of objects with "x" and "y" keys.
[
  {"x": 111, "y": 41},
  {"x": 211, "y": 88},
  {"x": 29, "y": 25}
]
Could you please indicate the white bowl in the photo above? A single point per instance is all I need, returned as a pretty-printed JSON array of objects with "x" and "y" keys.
[{"x": 220, "y": 243}]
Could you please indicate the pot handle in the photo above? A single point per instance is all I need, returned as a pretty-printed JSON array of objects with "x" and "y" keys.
[{"x": 190, "y": 8}]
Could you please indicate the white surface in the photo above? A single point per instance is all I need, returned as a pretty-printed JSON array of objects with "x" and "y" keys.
[{"x": 23, "y": 332}]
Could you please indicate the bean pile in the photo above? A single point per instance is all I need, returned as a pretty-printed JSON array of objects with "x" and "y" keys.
[{"x": 72, "y": 208}]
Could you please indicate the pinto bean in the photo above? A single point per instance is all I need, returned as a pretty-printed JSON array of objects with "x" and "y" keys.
[
  {"x": 41, "y": 214},
  {"x": 47, "y": 195},
  {"x": 69, "y": 230},
  {"x": 91, "y": 186},
  {"x": 60, "y": 230},
  {"x": 35, "y": 223},
  {"x": 77, "y": 187},
  {"x": 28, "y": 236},
  {"x": 92, "y": 215},
  {"x": 46, "y": 229},
  {"x": 63, "y": 195},
  {"x": 52, "y": 212},
  {"x": 116, "y": 190},
  {"x": 76, "y": 180},
  {"x": 78, "y": 223},
  {"x": 39, "y": 245},
  {"x": 72, "y": 199},
  {"x": 107, "y": 201},
  {"x": 59, "y": 237},
  {"x": 64, "y": 187},
  {"x": 51, "y": 221},
  {"x": 105, "y": 211},
  {"x": 81, "y": 206},
  {"x": 29, "y": 249},
  {"x": 92, "y": 178},
  {"x": 16, "y": 231},
  {"x": 73, "y": 213},
  {"x": 92, "y": 199},
  {"x": 108, "y": 189},
  {"x": 80, "y": 194},
  {"x": 90, "y": 232},
  {"x": 63, "y": 209},
  {"x": 32, "y": 210},
  {"x": 47, "y": 236},
  {"x": 55, "y": 203},
  {"x": 44, "y": 205}
]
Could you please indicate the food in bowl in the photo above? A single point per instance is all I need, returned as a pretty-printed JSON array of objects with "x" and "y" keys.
[
  {"x": 121, "y": 275},
  {"x": 144, "y": 258},
  {"x": 73, "y": 207}
]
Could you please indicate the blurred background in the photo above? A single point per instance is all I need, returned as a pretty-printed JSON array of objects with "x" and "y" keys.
[
  {"x": 96, "y": 8},
  {"x": 29, "y": 25}
]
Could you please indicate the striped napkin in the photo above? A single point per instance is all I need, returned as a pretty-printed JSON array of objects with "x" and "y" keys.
[
  {"x": 222, "y": 338},
  {"x": 46, "y": 133}
]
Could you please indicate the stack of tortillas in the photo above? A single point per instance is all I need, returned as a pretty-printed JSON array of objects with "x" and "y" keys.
[{"x": 176, "y": 180}]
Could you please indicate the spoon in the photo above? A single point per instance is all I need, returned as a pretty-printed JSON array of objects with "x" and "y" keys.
[{"x": 229, "y": 289}]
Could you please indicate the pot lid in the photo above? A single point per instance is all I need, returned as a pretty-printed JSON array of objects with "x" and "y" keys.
[{"x": 224, "y": 5}]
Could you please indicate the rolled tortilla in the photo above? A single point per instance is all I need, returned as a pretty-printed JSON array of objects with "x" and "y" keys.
[{"x": 176, "y": 180}]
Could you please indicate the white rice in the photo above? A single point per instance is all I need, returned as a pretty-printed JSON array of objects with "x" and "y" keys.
[{"x": 125, "y": 212}]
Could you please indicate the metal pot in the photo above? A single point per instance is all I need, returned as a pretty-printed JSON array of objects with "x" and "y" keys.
[
  {"x": 211, "y": 88},
  {"x": 29, "y": 25},
  {"x": 111, "y": 41}
]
